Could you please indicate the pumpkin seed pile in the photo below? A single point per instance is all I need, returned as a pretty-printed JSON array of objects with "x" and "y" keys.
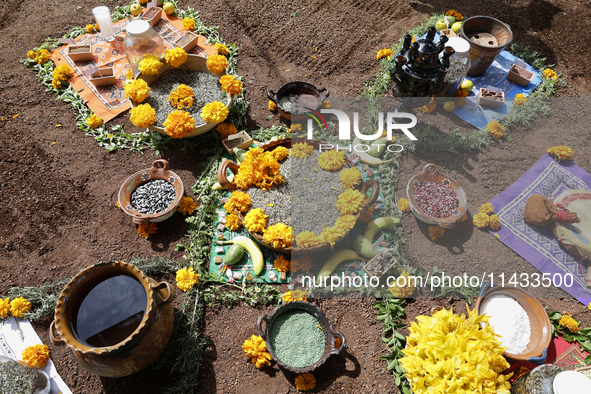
[{"x": 153, "y": 196}]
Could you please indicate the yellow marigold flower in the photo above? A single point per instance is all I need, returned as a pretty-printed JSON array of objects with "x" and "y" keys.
[
  {"x": 145, "y": 230},
  {"x": 436, "y": 232},
  {"x": 384, "y": 53},
  {"x": 589, "y": 306},
  {"x": 256, "y": 349},
  {"x": 189, "y": 24},
  {"x": 350, "y": 177},
  {"x": 94, "y": 122},
  {"x": 561, "y": 152},
  {"x": 31, "y": 54},
  {"x": 128, "y": 76},
  {"x": 260, "y": 169},
  {"x": 60, "y": 74},
  {"x": 186, "y": 278},
  {"x": 295, "y": 127},
  {"x": 238, "y": 200},
  {"x": 231, "y": 85},
  {"x": 36, "y": 356},
  {"x": 187, "y": 205},
  {"x": 90, "y": 29},
  {"x": 495, "y": 130},
  {"x": 403, "y": 204},
  {"x": 282, "y": 264},
  {"x": 406, "y": 288},
  {"x": 137, "y": 90},
  {"x": 256, "y": 220},
  {"x": 464, "y": 217},
  {"x": 301, "y": 150},
  {"x": 4, "y": 307},
  {"x": 176, "y": 57},
  {"x": 549, "y": 74},
  {"x": 331, "y": 235},
  {"x": 305, "y": 381},
  {"x": 142, "y": 116},
  {"x": 215, "y": 112},
  {"x": 307, "y": 239},
  {"x": 96, "y": 27},
  {"x": 221, "y": 49},
  {"x": 279, "y": 153},
  {"x": 455, "y": 14},
  {"x": 278, "y": 235},
  {"x": 326, "y": 104},
  {"x": 331, "y": 160},
  {"x": 216, "y": 63},
  {"x": 233, "y": 222},
  {"x": 295, "y": 295},
  {"x": 567, "y": 321},
  {"x": 487, "y": 208},
  {"x": 480, "y": 220},
  {"x": 42, "y": 56},
  {"x": 494, "y": 222},
  {"x": 272, "y": 106},
  {"x": 349, "y": 202},
  {"x": 149, "y": 65},
  {"x": 519, "y": 99},
  {"x": 19, "y": 306},
  {"x": 430, "y": 107},
  {"x": 346, "y": 222},
  {"x": 301, "y": 263},
  {"x": 182, "y": 97},
  {"x": 179, "y": 124},
  {"x": 226, "y": 129}
]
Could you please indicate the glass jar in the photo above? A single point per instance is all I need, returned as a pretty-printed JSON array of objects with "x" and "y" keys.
[
  {"x": 459, "y": 61},
  {"x": 141, "y": 40}
]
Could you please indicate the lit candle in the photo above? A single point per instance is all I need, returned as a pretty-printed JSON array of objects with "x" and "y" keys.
[{"x": 103, "y": 18}]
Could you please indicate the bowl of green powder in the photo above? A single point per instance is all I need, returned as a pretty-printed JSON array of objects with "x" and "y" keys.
[{"x": 299, "y": 337}]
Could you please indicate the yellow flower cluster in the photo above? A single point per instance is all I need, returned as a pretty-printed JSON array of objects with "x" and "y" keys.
[
  {"x": 494, "y": 222},
  {"x": 305, "y": 381},
  {"x": 90, "y": 29},
  {"x": 189, "y": 24},
  {"x": 301, "y": 263},
  {"x": 404, "y": 204},
  {"x": 215, "y": 112},
  {"x": 216, "y": 63},
  {"x": 233, "y": 222},
  {"x": 231, "y": 85},
  {"x": 450, "y": 353},
  {"x": 278, "y": 235},
  {"x": 41, "y": 56},
  {"x": 149, "y": 65},
  {"x": 94, "y": 122},
  {"x": 296, "y": 127},
  {"x": 221, "y": 49},
  {"x": 349, "y": 202},
  {"x": 256, "y": 220},
  {"x": 142, "y": 116},
  {"x": 179, "y": 124},
  {"x": 17, "y": 307},
  {"x": 495, "y": 130},
  {"x": 295, "y": 295},
  {"x": 406, "y": 288},
  {"x": 307, "y": 239},
  {"x": 436, "y": 232},
  {"x": 346, "y": 222},
  {"x": 301, "y": 150},
  {"x": 239, "y": 201},
  {"x": 182, "y": 97},
  {"x": 519, "y": 99},
  {"x": 326, "y": 104},
  {"x": 350, "y": 177},
  {"x": 384, "y": 53},
  {"x": 561, "y": 152},
  {"x": 226, "y": 129},
  {"x": 36, "y": 356},
  {"x": 282, "y": 264},
  {"x": 137, "y": 90},
  {"x": 485, "y": 217},
  {"x": 455, "y": 14},
  {"x": 429, "y": 107},
  {"x": 256, "y": 349},
  {"x": 187, "y": 206},
  {"x": 279, "y": 153},
  {"x": 331, "y": 160},
  {"x": 331, "y": 235},
  {"x": 176, "y": 57},
  {"x": 186, "y": 278},
  {"x": 272, "y": 106},
  {"x": 260, "y": 169},
  {"x": 487, "y": 208},
  {"x": 480, "y": 220},
  {"x": 567, "y": 321},
  {"x": 60, "y": 74},
  {"x": 145, "y": 230},
  {"x": 549, "y": 74}
]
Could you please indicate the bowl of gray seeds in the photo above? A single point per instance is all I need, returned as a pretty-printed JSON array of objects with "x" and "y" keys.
[
  {"x": 297, "y": 97},
  {"x": 151, "y": 195}
]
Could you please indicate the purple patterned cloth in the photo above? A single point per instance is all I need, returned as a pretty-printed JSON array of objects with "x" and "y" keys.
[{"x": 537, "y": 244}]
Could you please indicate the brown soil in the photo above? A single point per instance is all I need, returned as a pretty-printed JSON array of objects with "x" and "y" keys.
[{"x": 59, "y": 188}]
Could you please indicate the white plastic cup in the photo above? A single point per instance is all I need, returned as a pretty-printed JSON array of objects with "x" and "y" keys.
[{"x": 102, "y": 15}]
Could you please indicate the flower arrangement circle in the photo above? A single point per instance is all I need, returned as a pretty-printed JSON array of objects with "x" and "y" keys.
[
  {"x": 179, "y": 124},
  {"x": 231, "y": 85},
  {"x": 217, "y": 63},
  {"x": 142, "y": 116},
  {"x": 182, "y": 97},
  {"x": 215, "y": 112},
  {"x": 176, "y": 57},
  {"x": 137, "y": 90},
  {"x": 149, "y": 65}
]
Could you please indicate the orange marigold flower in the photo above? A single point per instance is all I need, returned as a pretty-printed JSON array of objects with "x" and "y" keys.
[
  {"x": 94, "y": 122},
  {"x": 186, "y": 278},
  {"x": 221, "y": 49},
  {"x": 295, "y": 127},
  {"x": 42, "y": 56},
  {"x": 36, "y": 356},
  {"x": 189, "y": 24},
  {"x": 301, "y": 150},
  {"x": 143, "y": 115},
  {"x": 561, "y": 152},
  {"x": 350, "y": 177},
  {"x": 331, "y": 235},
  {"x": 230, "y": 84},
  {"x": 279, "y": 153},
  {"x": 90, "y": 29},
  {"x": 494, "y": 222},
  {"x": 480, "y": 220},
  {"x": 96, "y": 27},
  {"x": 436, "y": 232},
  {"x": 149, "y": 65},
  {"x": 567, "y": 321},
  {"x": 238, "y": 200},
  {"x": 256, "y": 220},
  {"x": 366, "y": 215},
  {"x": 256, "y": 349},
  {"x": 179, "y": 124},
  {"x": 549, "y": 74},
  {"x": 282, "y": 264},
  {"x": 305, "y": 381},
  {"x": 176, "y": 57},
  {"x": 430, "y": 107},
  {"x": 272, "y": 106},
  {"x": 60, "y": 74},
  {"x": 460, "y": 95},
  {"x": 279, "y": 235},
  {"x": 215, "y": 112},
  {"x": 137, "y": 90},
  {"x": 217, "y": 63},
  {"x": 145, "y": 230},
  {"x": 19, "y": 306},
  {"x": 295, "y": 295},
  {"x": 519, "y": 99},
  {"x": 182, "y": 97},
  {"x": 187, "y": 205},
  {"x": 4, "y": 307},
  {"x": 407, "y": 286},
  {"x": 301, "y": 263},
  {"x": 31, "y": 54},
  {"x": 349, "y": 202},
  {"x": 384, "y": 53},
  {"x": 487, "y": 208},
  {"x": 326, "y": 104},
  {"x": 331, "y": 160},
  {"x": 495, "y": 130},
  {"x": 404, "y": 204},
  {"x": 226, "y": 129},
  {"x": 346, "y": 222},
  {"x": 307, "y": 239},
  {"x": 233, "y": 222}
]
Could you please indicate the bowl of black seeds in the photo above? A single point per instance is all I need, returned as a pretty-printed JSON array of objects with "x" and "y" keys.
[
  {"x": 151, "y": 195},
  {"x": 297, "y": 97}
]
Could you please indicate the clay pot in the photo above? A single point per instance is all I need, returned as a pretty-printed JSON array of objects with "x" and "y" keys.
[
  {"x": 297, "y": 87},
  {"x": 487, "y": 37},
  {"x": 135, "y": 351},
  {"x": 159, "y": 170}
]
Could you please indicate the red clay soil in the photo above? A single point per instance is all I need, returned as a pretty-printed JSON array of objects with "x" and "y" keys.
[{"x": 59, "y": 188}]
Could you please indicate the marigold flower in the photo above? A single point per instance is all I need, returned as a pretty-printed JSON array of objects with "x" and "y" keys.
[
  {"x": 90, "y": 29},
  {"x": 36, "y": 356},
  {"x": 182, "y": 97},
  {"x": 186, "y": 278},
  {"x": 404, "y": 204},
  {"x": 4, "y": 307},
  {"x": 31, "y": 54},
  {"x": 187, "y": 205},
  {"x": 282, "y": 264},
  {"x": 221, "y": 49},
  {"x": 480, "y": 220},
  {"x": 279, "y": 153},
  {"x": 226, "y": 129},
  {"x": 60, "y": 74},
  {"x": 345, "y": 223},
  {"x": 149, "y": 65},
  {"x": 19, "y": 306},
  {"x": 179, "y": 124},
  {"x": 561, "y": 152},
  {"x": 305, "y": 381},
  {"x": 384, "y": 53},
  {"x": 350, "y": 177},
  {"x": 96, "y": 27},
  {"x": 260, "y": 169},
  {"x": 549, "y": 74},
  {"x": 326, "y": 104},
  {"x": 301, "y": 150},
  {"x": 295, "y": 127},
  {"x": 494, "y": 222},
  {"x": 216, "y": 63},
  {"x": 331, "y": 160},
  {"x": 436, "y": 232},
  {"x": 567, "y": 321},
  {"x": 137, "y": 90},
  {"x": 366, "y": 215},
  {"x": 145, "y": 230},
  {"x": 430, "y": 107},
  {"x": 307, "y": 239},
  {"x": 42, "y": 56},
  {"x": 519, "y": 99},
  {"x": 455, "y": 14},
  {"x": 403, "y": 288},
  {"x": 460, "y": 97},
  {"x": 301, "y": 263},
  {"x": 495, "y": 130},
  {"x": 176, "y": 56},
  {"x": 272, "y": 106},
  {"x": 215, "y": 112},
  {"x": 256, "y": 220},
  {"x": 231, "y": 85},
  {"x": 487, "y": 208},
  {"x": 295, "y": 295},
  {"x": 256, "y": 349},
  {"x": 349, "y": 202},
  {"x": 238, "y": 200},
  {"x": 233, "y": 222},
  {"x": 331, "y": 235},
  {"x": 142, "y": 116},
  {"x": 189, "y": 24},
  {"x": 279, "y": 235},
  {"x": 128, "y": 76},
  {"x": 94, "y": 122}
]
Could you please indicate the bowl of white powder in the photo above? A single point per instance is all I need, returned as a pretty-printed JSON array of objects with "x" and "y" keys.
[{"x": 519, "y": 321}]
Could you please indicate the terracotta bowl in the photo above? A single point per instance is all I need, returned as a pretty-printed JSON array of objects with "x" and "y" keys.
[
  {"x": 297, "y": 87},
  {"x": 193, "y": 63},
  {"x": 370, "y": 184},
  {"x": 541, "y": 328},
  {"x": 431, "y": 173},
  {"x": 159, "y": 170}
]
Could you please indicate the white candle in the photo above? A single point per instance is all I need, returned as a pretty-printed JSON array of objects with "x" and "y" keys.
[{"x": 103, "y": 18}]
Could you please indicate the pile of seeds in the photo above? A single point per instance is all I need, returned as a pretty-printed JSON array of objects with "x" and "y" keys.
[
  {"x": 153, "y": 196},
  {"x": 297, "y": 338},
  {"x": 437, "y": 200},
  {"x": 16, "y": 378}
]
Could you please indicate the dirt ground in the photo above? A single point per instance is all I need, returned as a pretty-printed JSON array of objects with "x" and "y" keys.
[{"x": 59, "y": 188}]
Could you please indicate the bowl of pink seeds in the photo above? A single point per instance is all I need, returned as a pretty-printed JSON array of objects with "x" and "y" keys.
[{"x": 435, "y": 198}]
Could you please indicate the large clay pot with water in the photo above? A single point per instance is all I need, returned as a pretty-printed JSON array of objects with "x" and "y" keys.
[{"x": 114, "y": 319}]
